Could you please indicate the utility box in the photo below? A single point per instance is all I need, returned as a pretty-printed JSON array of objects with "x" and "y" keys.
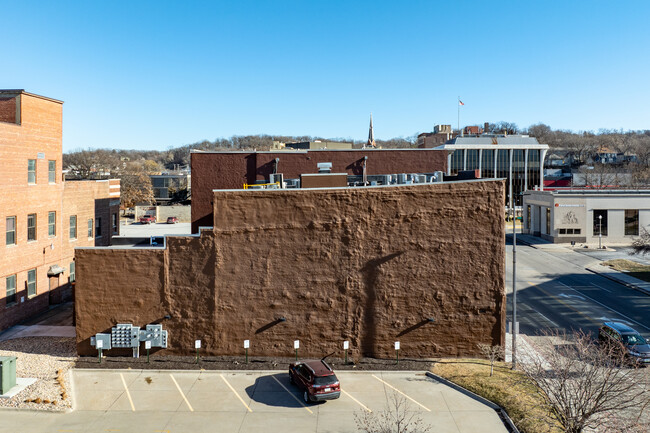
[{"x": 7, "y": 373}]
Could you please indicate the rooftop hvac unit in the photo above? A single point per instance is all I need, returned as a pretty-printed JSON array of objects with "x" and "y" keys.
[
  {"x": 401, "y": 178},
  {"x": 292, "y": 183},
  {"x": 419, "y": 178},
  {"x": 277, "y": 178},
  {"x": 438, "y": 176},
  {"x": 324, "y": 167}
]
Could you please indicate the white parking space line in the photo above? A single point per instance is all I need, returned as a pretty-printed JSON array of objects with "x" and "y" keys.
[
  {"x": 128, "y": 394},
  {"x": 233, "y": 390},
  {"x": 182, "y": 395},
  {"x": 358, "y": 402},
  {"x": 391, "y": 386},
  {"x": 603, "y": 305},
  {"x": 291, "y": 394}
]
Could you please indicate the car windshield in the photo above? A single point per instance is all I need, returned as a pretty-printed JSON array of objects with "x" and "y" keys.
[
  {"x": 633, "y": 339},
  {"x": 325, "y": 380}
]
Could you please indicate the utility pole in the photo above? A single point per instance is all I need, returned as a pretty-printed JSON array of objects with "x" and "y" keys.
[{"x": 514, "y": 268}]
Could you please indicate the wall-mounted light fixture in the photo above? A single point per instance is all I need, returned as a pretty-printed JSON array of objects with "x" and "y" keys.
[
  {"x": 431, "y": 319},
  {"x": 281, "y": 319},
  {"x": 167, "y": 316}
]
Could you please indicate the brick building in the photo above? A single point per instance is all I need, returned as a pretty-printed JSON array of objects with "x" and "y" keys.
[
  {"x": 42, "y": 217},
  {"x": 231, "y": 170}
]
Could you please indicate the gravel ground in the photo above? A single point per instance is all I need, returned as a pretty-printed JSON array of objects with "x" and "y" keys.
[{"x": 46, "y": 359}]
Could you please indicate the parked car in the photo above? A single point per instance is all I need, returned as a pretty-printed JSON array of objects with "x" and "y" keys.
[
  {"x": 626, "y": 341},
  {"x": 316, "y": 379},
  {"x": 147, "y": 219},
  {"x": 172, "y": 220}
]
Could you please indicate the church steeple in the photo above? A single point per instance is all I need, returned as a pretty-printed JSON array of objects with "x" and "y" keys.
[{"x": 371, "y": 135}]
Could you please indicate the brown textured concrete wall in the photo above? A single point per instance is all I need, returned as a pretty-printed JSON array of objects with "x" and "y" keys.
[
  {"x": 230, "y": 170},
  {"x": 369, "y": 265}
]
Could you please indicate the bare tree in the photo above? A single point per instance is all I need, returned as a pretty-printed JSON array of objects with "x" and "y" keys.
[
  {"x": 492, "y": 353},
  {"x": 584, "y": 385},
  {"x": 641, "y": 245},
  {"x": 398, "y": 417},
  {"x": 135, "y": 187}
]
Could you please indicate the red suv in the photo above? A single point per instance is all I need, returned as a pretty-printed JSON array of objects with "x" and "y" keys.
[
  {"x": 316, "y": 379},
  {"x": 147, "y": 219}
]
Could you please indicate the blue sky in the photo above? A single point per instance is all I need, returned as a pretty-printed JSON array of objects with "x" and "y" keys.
[{"x": 156, "y": 74}]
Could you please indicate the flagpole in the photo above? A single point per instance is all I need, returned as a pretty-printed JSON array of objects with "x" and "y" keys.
[{"x": 458, "y": 104}]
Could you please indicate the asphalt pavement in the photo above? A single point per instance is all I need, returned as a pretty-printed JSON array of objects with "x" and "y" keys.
[{"x": 558, "y": 289}]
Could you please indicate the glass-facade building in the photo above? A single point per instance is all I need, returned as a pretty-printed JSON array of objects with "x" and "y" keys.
[{"x": 516, "y": 158}]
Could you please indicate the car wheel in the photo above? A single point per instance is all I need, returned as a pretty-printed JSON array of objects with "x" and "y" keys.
[{"x": 305, "y": 396}]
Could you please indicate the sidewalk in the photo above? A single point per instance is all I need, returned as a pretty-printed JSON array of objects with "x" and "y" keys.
[
  {"x": 620, "y": 277},
  {"x": 56, "y": 322}
]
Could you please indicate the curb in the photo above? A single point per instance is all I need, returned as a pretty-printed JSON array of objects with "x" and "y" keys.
[
  {"x": 503, "y": 415},
  {"x": 618, "y": 280}
]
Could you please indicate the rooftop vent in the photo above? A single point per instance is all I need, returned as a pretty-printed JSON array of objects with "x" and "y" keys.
[{"x": 324, "y": 167}]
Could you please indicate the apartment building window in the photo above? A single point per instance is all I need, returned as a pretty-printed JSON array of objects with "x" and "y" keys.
[
  {"x": 51, "y": 171},
  {"x": 73, "y": 226},
  {"x": 11, "y": 290},
  {"x": 73, "y": 276},
  {"x": 31, "y": 227},
  {"x": 114, "y": 223},
  {"x": 11, "y": 230},
  {"x": 31, "y": 282},
  {"x": 51, "y": 223},
  {"x": 98, "y": 227},
  {"x": 548, "y": 220},
  {"x": 600, "y": 222},
  {"x": 90, "y": 228},
  {"x": 631, "y": 222},
  {"x": 31, "y": 171}
]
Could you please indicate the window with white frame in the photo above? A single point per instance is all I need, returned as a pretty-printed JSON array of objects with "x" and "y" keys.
[
  {"x": 10, "y": 237},
  {"x": 31, "y": 171},
  {"x": 10, "y": 297},
  {"x": 73, "y": 226},
  {"x": 51, "y": 223},
  {"x": 31, "y": 282},
  {"x": 51, "y": 171},
  {"x": 31, "y": 227}
]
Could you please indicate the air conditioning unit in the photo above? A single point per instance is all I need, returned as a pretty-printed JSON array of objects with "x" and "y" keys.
[{"x": 277, "y": 178}]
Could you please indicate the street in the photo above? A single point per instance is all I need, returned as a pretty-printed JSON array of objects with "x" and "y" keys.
[{"x": 555, "y": 291}]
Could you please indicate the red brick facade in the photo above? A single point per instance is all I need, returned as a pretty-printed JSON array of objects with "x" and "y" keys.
[
  {"x": 29, "y": 199},
  {"x": 231, "y": 170}
]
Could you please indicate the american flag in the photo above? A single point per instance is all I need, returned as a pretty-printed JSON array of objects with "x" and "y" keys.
[{"x": 460, "y": 102}]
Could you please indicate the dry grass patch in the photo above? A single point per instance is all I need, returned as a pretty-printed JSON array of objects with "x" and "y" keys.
[
  {"x": 507, "y": 388},
  {"x": 634, "y": 269}
]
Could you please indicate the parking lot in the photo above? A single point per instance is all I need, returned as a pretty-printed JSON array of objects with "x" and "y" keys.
[{"x": 202, "y": 401}]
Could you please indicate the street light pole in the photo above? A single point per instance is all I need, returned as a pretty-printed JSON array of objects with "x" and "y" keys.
[
  {"x": 514, "y": 269},
  {"x": 600, "y": 232}
]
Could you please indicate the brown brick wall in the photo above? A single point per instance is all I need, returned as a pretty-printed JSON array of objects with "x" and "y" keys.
[
  {"x": 39, "y": 132},
  {"x": 230, "y": 170},
  {"x": 369, "y": 265},
  {"x": 8, "y": 109}
]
